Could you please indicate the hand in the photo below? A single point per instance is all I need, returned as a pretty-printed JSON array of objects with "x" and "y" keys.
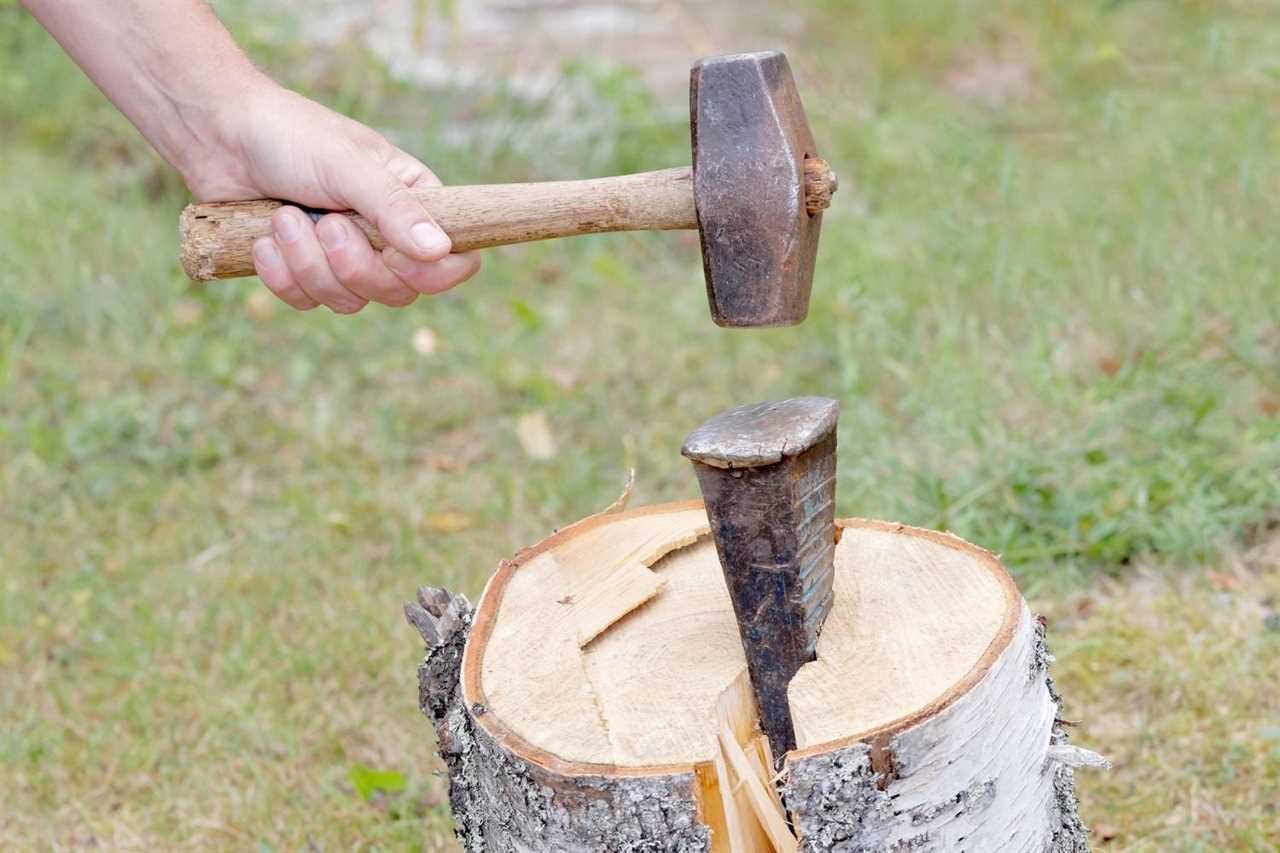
[
  {"x": 277, "y": 144},
  {"x": 235, "y": 134}
]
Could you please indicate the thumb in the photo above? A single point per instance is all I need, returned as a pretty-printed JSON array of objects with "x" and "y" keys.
[{"x": 379, "y": 195}]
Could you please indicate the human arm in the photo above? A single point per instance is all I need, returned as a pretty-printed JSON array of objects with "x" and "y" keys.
[{"x": 177, "y": 74}]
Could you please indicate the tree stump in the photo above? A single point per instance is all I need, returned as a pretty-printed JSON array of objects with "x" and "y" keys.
[{"x": 596, "y": 700}]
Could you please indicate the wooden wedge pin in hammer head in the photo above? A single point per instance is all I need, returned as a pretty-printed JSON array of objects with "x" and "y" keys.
[
  {"x": 768, "y": 477},
  {"x": 756, "y": 192}
]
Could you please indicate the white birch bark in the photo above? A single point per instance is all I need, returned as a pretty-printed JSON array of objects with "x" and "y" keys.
[
  {"x": 978, "y": 776},
  {"x": 981, "y": 766}
]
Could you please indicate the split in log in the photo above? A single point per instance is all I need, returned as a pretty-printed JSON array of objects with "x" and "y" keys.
[{"x": 598, "y": 701}]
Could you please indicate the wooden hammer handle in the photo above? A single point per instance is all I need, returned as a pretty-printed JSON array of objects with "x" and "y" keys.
[{"x": 217, "y": 238}]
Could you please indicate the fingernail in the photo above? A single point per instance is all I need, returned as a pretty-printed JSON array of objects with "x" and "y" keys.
[
  {"x": 265, "y": 252},
  {"x": 396, "y": 262},
  {"x": 332, "y": 234},
  {"x": 430, "y": 238},
  {"x": 287, "y": 227}
]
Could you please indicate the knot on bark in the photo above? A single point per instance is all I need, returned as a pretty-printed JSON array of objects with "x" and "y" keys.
[{"x": 444, "y": 620}]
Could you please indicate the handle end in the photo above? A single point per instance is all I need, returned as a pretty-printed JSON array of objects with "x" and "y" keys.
[
  {"x": 217, "y": 238},
  {"x": 197, "y": 263},
  {"x": 820, "y": 184}
]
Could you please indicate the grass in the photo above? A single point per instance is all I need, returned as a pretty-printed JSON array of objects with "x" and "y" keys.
[
  {"x": 1049, "y": 310},
  {"x": 1174, "y": 678}
]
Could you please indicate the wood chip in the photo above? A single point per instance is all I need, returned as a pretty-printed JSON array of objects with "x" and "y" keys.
[
  {"x": 533, "y": 431},
  {"x": 425, "y": 341},
  {"x": 446, "y": 521}
]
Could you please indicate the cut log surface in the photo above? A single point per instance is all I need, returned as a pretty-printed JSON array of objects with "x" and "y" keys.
[{"x": 601, "y": 702}]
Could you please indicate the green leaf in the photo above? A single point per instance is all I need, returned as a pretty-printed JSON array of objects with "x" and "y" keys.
[
  {"x": 369, "y": 780},
  {"x": 526, "y": 314}
]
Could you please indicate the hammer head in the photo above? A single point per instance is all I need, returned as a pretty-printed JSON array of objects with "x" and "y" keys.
[{"x": 750, "y": 141}]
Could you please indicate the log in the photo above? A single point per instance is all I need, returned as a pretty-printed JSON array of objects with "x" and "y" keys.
[{"x": 596, "y": 699}]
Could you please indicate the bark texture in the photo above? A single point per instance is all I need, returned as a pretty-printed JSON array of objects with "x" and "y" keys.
[
  {"x": 986, "y": 767},
  {"x": 981, "y": 775},
  {"x": 503, "y": 804},
  {"x": 1070, "y": 835},
  {"x": 993, "y": 771}
]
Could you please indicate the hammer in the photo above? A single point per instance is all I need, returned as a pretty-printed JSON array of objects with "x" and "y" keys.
[
  {"x": 768, "y": 478},
  {"x": 755, "y": 193}
]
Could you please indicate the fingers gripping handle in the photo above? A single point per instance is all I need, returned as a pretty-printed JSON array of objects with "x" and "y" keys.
[{"x": 218, "y": 238}]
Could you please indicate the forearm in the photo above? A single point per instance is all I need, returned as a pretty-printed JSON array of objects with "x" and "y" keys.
[{"x": 169, "y": 66}]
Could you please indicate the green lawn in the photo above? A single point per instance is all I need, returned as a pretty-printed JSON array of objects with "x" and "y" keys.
[{"x": 1047, "y": 299}]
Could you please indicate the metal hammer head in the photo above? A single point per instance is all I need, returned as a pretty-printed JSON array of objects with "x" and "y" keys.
[{"x": 750, "y": 144}]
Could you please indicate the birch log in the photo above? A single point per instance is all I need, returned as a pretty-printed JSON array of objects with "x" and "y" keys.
[{"x": 596, "y": 700}]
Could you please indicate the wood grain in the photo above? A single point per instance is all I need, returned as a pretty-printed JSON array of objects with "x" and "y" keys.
[
  {"x": 218, "y": 237},
  {"x": 615, "y": 586},
  {"x": 928, "y": 719},
  {"x": 754, "y": 817},
  {"x": 820, "y": 184}
]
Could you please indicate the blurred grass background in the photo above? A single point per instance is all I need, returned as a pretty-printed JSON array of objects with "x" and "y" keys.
[{"x": 1047, "y": 300}]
